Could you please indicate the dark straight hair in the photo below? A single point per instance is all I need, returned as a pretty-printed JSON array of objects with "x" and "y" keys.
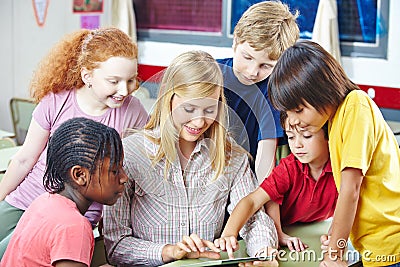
[{"x": 307, "y": 73}]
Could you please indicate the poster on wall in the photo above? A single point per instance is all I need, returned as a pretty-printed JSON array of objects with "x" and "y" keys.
[
  {"x": 90, "y": 22},
  {"x": 40, "y": 10},
  {"x": 87, "y": 6}
]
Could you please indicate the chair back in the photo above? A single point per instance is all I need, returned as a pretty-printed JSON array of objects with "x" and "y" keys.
[
  {"x": 6, "y": 142},
  {"x": 21, "y": 115}
]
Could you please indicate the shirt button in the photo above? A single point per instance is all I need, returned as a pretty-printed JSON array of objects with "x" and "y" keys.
[{"x": 183, "y": 224}]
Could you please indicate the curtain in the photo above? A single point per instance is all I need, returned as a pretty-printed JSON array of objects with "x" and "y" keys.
[
  {"x": 326, "y": 28},
  {"x": 123, "y": 17}
]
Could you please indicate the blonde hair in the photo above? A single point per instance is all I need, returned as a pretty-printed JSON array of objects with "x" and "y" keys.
[
  {"x": 268, "y": 25},
  {"x": 61, "y": 69},
  {"x": 194, "y": 74}
]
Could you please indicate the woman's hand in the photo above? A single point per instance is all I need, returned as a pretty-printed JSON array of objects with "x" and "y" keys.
[
  {"x": 191, "y": 247},
  {"x": 293, "y": 243},
  {"x": 228, "y": 244}
]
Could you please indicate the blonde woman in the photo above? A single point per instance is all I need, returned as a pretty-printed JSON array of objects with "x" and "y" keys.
[{"x": 182, "y": 169}]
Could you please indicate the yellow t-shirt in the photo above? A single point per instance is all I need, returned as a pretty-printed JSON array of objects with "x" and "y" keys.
[{"x": 360, "y": 138}]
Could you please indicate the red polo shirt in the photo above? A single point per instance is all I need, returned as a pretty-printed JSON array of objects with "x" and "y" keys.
[{"x": 301, "y": 197}]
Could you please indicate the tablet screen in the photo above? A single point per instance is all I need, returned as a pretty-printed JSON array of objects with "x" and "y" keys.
[{"x": 227, "y": 261}]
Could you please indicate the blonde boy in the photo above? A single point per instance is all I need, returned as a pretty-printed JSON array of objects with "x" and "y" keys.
[{"x": 261, "y": 35}]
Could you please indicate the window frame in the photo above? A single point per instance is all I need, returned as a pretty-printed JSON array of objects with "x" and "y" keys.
[
  {"x": 372, "y": 50},
  {"x": 225, "y": 38},
  {"x": 222, "y": 39}
]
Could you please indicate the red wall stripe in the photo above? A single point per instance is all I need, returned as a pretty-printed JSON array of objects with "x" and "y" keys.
[
  {"x": 385, "y": 97},
  {"x": 146, "y": 72}
]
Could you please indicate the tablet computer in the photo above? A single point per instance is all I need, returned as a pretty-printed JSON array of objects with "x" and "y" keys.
[{"x": 226, "y": 262}]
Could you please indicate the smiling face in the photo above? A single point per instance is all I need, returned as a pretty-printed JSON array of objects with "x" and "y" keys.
[
  {"x": 251, "y": 66},
  {"x": 308, "y": 118},
  {"x": 192, "y": 117},
  {"x": 106, "y": 186},
  {"x": 113, "y": 80}
]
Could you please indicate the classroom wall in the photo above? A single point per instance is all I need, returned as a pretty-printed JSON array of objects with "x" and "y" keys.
[
  {"x": 382, "y": 75},
  {"x": 383, "y": 72},
  {"x": 24, "y": 43}
]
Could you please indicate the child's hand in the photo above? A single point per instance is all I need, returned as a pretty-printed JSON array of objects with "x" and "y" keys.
[
  {"x": 191, "y": 247},
  {"x": 293, "y": 243},
  {"x": 228, "y": 244},
  {"x": 325, "y": 242},
  {"x": 328, "y": 262}
]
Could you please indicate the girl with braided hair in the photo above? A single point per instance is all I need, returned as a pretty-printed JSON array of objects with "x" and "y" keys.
[
  {"x": 87, "y": 74},
  {"x": 84, "y": 164}
]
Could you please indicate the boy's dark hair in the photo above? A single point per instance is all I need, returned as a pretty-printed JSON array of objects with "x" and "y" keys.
[
  {"x": 307, "y": 73},
  {"x": 283, "y": 118},
  {"x": 83, "y": 142}
]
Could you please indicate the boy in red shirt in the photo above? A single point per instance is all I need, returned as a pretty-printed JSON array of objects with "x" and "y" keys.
[{"x": 302, "y": 184}]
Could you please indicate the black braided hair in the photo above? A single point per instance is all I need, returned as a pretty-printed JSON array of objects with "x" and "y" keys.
[{"x": 83, "y": 142}]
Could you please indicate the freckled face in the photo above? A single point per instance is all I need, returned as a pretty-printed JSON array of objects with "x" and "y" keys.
[
  {"x": 251, "y": 66},
  {"x": 192, "y": 117}
]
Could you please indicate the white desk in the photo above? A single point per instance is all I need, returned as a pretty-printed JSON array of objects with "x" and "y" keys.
[
  {"x": 6, "y": 134},
  {"x": 6, "y": 155}
]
